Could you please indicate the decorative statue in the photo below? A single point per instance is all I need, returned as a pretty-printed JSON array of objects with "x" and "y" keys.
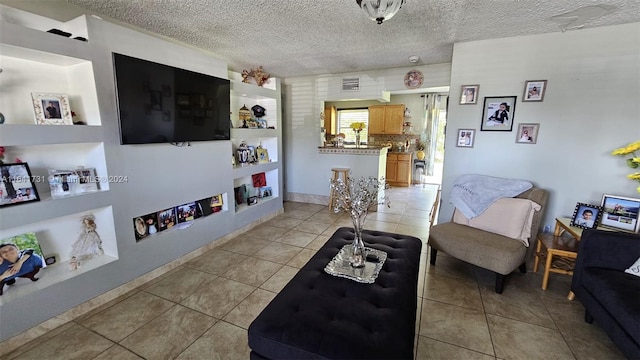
[{"x": 88, "y": 243}]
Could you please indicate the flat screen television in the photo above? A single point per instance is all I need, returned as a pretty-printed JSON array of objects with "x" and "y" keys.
[{"x": 162, "y": 104}]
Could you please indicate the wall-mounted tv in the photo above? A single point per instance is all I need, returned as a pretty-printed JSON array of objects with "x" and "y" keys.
[{"x": 162, "y": 104}]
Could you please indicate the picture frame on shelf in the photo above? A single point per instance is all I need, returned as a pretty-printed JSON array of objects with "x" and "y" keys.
[
  {"x": 469, "y": 94},
  {"x": 534, "y": 90},
  {"x": 262, "y": 123},
  {"x": 498, "y": 113},
  {"x": 216, "y": 200},
  {"x": 265, "y": 192},
  {"x": 252, "y": 200},
  {"x": 240, "y": 194},
  {"x": 466, "y": 138},
  {"x": 26, "y": 243},
  {"x": 17, "y": 185},
  {"x": 203, "y": 208},
  {"x": 586, "y": 216},
  {"x": 259, "y": 180},
  {"x": 186, "y": 212},
  {"x": 527, "y": 133},
  {"x": 263, "y": 155},
  {"x": 166, "y": 219},
  {"x": 63, "y": 183},
  {"x": 140, "y": 230},
  {"x": 87, "y": 180},
  {"x": 620, "y": 213},
  {"x": 51, "y": 109}
]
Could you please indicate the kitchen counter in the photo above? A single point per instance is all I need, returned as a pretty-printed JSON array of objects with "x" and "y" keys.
[{"x": 353, "y": 150}]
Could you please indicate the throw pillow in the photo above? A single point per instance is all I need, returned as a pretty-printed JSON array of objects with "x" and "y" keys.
[
  {"x": 510, "y": 217},
  {"x": 634, "y": 269}
]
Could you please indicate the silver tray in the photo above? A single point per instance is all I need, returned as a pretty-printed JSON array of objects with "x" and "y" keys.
[{"x": 339, "y": 266}]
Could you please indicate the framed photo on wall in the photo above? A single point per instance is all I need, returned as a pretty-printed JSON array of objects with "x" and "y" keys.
[
  {"x": 586, "y": 216},
  {"x": 527, "y": 133},
  {"x": 466, "y": 137},
  {"x": 51, "y": 109},
  {"x": 534, "y": 90},
  {"x": 620, "y": 213},
  {"x": 469, "y": 94},
  {"x": 498, "y": 113}
]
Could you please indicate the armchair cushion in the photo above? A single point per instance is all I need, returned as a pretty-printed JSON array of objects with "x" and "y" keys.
[{"x": 510, "y": 217}]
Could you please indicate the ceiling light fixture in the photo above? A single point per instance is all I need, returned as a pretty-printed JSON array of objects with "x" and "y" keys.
[{"x": 380, "y": 10}]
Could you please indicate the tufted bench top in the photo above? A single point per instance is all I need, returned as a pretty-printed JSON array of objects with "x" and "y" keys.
[{"x": 319, "y": 316}]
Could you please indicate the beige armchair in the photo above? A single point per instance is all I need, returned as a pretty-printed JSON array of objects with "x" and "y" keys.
[{"x": 485, "y": 249}]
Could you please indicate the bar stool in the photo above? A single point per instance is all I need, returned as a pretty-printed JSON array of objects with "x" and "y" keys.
[{"x": 338, "y": 173}]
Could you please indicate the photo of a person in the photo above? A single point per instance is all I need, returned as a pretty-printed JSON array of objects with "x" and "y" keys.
[
  {"x": 18, "y": 263},
  {"x": 585, "y": 219},
  {"x": 465, "y": 138},
  {"x": 534, "y": 90},
  {"x": 500, "y": 116},
  {"x": 140, "y": 228},
  {"x": 51, "y": 109},
  {"x": 469, "y": 94},
  {"x": 524, "y": 137}
]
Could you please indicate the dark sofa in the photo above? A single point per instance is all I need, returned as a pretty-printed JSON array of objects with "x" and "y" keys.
[{"x": 609, "y": 295}]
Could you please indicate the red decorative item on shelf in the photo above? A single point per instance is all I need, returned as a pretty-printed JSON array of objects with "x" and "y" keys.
[{"x": 259, "y": 180}]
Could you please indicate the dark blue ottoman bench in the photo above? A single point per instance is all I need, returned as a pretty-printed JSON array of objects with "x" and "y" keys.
[{"x": 319, "y": 316}]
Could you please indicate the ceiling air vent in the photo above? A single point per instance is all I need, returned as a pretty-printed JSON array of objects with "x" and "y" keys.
[{"x": 351, "y": 84}]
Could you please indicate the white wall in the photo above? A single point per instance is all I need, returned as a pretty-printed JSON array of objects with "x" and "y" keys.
[
  {"x": 306, "y": 171},
  {"x": 591, "y": 107}
]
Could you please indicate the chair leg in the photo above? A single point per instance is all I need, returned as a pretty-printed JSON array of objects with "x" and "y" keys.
[
  {"x": 432, "y": 257},
  {"x": 588, "y": 318},
  {"x": 523, "y": 268},
  {"x": 499, "y": 283}
]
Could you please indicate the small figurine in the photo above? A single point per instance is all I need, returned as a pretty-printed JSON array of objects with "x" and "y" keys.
[
  {"x": 74, "y": 264},
  {"x": 88, "y": 242}
]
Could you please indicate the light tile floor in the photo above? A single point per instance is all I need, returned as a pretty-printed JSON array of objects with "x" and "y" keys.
[{"x": 202, "y": 309}]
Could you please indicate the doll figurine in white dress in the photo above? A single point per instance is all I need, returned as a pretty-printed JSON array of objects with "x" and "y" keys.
[{"x": 88, "y": 242}]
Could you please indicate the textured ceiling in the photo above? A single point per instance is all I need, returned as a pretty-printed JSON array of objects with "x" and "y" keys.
[{"x": 312, "y": 37}]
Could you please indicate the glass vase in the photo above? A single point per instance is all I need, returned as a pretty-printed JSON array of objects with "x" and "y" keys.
[
  {"x": 357, "y": 138},
  {"x": 358, "y": 252}
]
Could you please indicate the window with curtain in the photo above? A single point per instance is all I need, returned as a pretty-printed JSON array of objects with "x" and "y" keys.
[{"x": 346, "y": 117}]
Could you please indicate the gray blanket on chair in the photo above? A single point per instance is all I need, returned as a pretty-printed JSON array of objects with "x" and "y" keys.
[{"x": 473, "y": 194}]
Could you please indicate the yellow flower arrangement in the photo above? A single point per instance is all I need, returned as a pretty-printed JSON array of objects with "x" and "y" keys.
[
  {"x": 632, "y": 162},
  {"x": 358, "y": 126}
]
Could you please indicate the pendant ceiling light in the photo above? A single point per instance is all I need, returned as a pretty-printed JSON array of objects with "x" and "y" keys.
[{"x": 380, "y": 10}]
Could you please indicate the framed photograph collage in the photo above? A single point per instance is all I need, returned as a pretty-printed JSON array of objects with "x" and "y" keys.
[{"x": 499, "y": 113}]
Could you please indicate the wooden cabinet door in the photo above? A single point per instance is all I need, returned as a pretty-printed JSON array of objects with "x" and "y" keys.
[
  {"x": 392, "y": 167},
  {"x": 376, "y": 119},
  {"x": 330, "y": 120},
  {"x": 403, "y": 172},
  {"x": 393, "y": 119}
]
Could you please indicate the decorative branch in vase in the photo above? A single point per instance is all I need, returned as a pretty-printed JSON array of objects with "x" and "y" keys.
[{"x": 355, "y": 197}]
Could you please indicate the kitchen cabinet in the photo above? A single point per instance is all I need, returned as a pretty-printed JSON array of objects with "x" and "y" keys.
[
  {"x": 386, "y": 119},
  {"x": 399, "y": 169}
]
